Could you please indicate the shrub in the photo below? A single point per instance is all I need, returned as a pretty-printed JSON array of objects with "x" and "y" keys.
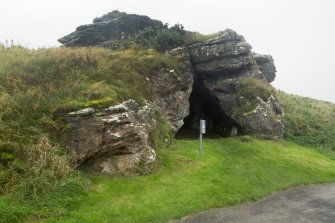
[
  {"x": 109, "y": 16},
  {"x": 162, "y": 37}
]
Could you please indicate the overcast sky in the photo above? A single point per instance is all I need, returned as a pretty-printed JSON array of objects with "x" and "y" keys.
[{"x": 299, "y": 34}]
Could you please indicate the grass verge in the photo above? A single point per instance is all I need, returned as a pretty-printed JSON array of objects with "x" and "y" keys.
[{"x": 230, "y": 172}]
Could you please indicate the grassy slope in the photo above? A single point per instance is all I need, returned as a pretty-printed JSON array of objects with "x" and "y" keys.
[
  {"x": 36, "y": 86},
  {"x": 230, "y": 172},
  {"x": 309, "y": 122}
]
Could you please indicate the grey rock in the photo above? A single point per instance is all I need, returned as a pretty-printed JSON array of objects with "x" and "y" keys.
[
  {"x": 173, "y": 89},
  {"x": 83, "y": 112},
  {"x": 114, "y": 141},
  {"x": 266, "y": 66},
  {"x": 226, "y": 53},
  {"x": 114, "y": 25},
  {"x": 266, "y": 120},
  {"x": 220, "y": 65}
]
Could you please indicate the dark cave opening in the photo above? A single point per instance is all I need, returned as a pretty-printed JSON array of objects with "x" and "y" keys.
[{"x": 204, "y": 105}]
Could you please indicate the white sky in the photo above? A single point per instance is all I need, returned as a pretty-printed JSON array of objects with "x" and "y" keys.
[{"x": 299, "y": 34}]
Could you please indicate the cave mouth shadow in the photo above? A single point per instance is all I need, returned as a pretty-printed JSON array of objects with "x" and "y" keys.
[{"x": 204, "y": 105}]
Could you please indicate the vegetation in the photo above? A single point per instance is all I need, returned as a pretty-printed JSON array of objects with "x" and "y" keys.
[
  {"x": 231, "y": 171},
  {"x": 161, "y": 136},
  {"x": 160, "y": 37},
  {"x": 309, "y": 122},
  {"x": 109, "y": 16},
  {"x": 37, "y": 182},
  {"x": 251, "y": 88},
  {"x": 37, "y": 87},
  {"x": 156, "y": 35}
]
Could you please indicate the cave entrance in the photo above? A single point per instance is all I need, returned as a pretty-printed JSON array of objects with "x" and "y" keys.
[{"x": 205, "y": 106}]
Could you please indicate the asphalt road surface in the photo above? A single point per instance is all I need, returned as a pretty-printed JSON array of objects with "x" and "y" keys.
[{"x": 307, "y": 204}]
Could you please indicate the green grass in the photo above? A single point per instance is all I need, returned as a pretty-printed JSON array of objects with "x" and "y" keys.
[
  {"x": 251, "y": 88},
  {"x": 38, "y": 87},
  {"x": 231, "y": 171},
  {"x": 309, "y": 122}
]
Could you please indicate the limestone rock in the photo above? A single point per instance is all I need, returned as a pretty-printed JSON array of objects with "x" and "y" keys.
[{"x": 113, "y": 140}]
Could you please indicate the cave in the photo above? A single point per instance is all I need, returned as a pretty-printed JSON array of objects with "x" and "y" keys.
[{"x": 204, "y": 105}]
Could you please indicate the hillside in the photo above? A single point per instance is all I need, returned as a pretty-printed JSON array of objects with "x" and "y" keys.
[
  {"x": 87, "y": 130},
  {"x": 231, "y": 171},
  {"x": 38, "y": 86},
  {"x": 309, "y": 122}
]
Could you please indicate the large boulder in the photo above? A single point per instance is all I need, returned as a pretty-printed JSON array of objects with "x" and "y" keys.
[{"x": 113, "y": 140}]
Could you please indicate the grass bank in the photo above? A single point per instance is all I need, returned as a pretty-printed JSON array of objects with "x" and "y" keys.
[
  {"x": 230, "y": 172},
  {"x": 309, "y": 122},
  {"x": 37, "y": 87}
]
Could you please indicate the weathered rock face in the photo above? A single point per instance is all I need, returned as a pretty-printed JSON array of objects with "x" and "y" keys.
[
  {"x": 229, "y": 79},
  {"x": 116, "y": 140},
  {"x": 113, "y": 140},
  {"x": 172, "y": 89},
  {"x": 266, "y": 66},
  {"x": 266, "y": 120},
  {"x": 114, "y": 25},
  {"x": 228, "y": 52}
]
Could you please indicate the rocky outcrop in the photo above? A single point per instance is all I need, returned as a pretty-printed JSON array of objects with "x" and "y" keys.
[
  {"x": 266, "y": 120},
  {"x": 220, "y": 80},
  {"x": 226, "y": 53},
  {"x": 113, "y": 140},
  {"x": 114, "y": 25},
  {"x": 233, "y": 90},
  {"x": 172, "y": 89},
  {"x": 266, "y": 66}
]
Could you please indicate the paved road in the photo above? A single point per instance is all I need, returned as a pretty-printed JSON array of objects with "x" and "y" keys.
[{"x": 307, "y": 204}]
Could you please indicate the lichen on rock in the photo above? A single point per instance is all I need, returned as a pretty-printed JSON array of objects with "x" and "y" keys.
[{"x": 113, "y": 140}]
